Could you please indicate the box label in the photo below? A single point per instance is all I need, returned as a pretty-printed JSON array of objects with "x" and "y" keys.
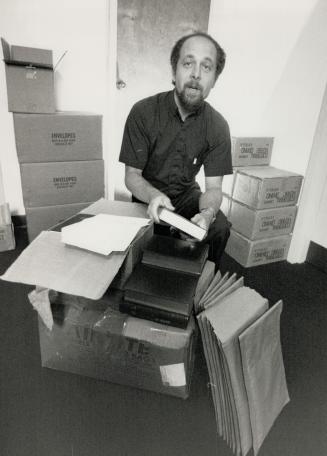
[
  {"x": 268, "y": 255},
  {"x": 63, "y": 139},
  {"x": 64, "y": 182},
  {"x": 247, "y": 150},
  {"x": 173, "y": 375},
  {"x": 31, "y": 74},
  {"x": 280, "y": 197},
  {"x": 276, "y": 224}
]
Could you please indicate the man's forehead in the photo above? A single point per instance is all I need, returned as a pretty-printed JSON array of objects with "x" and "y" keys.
[{"x": 199, "y": 45}]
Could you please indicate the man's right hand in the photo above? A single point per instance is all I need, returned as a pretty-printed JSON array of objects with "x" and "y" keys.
[{"x": 155, "y": 203}]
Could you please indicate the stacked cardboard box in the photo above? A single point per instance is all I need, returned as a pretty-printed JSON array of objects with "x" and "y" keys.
[
  {"x": 246, "y": 151},
  {"x": 7, "y": 236},
  {"x": 260, "y": 201},
  {"x": 60, "y": 153},
  {"x": 262, "y": 212}
]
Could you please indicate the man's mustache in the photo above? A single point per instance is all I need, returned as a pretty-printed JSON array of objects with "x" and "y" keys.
[{"x": 193, "y": 85}]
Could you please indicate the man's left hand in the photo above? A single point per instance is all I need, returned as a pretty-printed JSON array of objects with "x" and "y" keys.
[{"x": 202, "y": 219}]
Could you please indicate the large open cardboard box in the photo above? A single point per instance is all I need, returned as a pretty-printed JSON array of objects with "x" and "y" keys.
[
  {"x": 42, "y": 218},
  {"x": 94, "y": 339}
]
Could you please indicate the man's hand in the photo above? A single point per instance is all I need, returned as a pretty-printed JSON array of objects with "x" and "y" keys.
[
  {"x": 204, "y": 218},
  {"x": 155, "y": 203}
]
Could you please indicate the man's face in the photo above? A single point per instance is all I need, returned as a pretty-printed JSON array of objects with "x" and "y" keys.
[{"x": 195, "y": 72}]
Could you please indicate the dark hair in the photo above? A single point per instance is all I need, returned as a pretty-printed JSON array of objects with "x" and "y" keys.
[{"x": 175, "y": 53}]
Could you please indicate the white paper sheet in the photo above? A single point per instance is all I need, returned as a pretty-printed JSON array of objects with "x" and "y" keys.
[{"x": 103, "y": 233}]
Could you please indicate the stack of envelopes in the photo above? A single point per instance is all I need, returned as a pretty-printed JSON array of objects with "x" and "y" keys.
[
  {"x": 241, "y": 340},
  {"x": 171, "y": 277}
]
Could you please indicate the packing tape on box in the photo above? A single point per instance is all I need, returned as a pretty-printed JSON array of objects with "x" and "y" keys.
[{"x": 39, "y": 298}]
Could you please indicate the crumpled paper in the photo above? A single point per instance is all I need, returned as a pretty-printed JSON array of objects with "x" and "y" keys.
[{"x": 39, "y": 298}]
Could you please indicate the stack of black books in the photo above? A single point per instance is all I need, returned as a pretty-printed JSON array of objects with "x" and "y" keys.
[{"x": 169, "y": 281}]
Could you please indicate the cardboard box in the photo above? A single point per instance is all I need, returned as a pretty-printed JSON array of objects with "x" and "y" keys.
[
  {"x": 30, "y": 79},
  {"x": 62, "y": 136},
  {"x": 254, "y": 253},
  {"x": 228, "y": 183},
  {"x": 114, "y": 347},
  {"x": 262, "y": 223},
  {"x": 43, "y": 218},
  {"x": 266, "y": 187},
  {"x": 72, "y": 270},
  {"x": 225, "y": 205},
  {"x": 56, "y": 183},
  {"x": 7, "y": 235},
  {"x": 249, "y": 151}
]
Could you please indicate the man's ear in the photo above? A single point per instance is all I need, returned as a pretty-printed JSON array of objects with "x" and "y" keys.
[{"x": 173, "y": 77}]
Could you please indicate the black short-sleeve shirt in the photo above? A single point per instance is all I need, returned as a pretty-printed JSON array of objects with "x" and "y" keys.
[{"x": 170, "y": 152}]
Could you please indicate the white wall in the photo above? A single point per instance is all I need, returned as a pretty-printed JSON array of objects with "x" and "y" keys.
[
  {"x": 79, "y": 26},
  {"x": 274, "y": 80}
]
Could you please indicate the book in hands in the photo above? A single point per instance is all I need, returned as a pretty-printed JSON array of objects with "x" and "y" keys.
[{"x": 182, "y": 224}]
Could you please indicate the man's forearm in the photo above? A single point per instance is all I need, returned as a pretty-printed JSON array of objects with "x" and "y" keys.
[
  {"x": 145, "y": 192},
  {"x": 211, "y": 198},
  {"x": 141, "y": 188}
]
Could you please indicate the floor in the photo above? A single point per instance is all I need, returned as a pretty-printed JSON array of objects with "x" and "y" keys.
[{"x": 51, "y": 413}]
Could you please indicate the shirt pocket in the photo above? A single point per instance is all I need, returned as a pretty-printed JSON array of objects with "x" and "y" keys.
[{"x": 193, "y": 162}]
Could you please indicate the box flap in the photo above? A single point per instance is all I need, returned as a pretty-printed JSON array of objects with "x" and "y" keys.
[
  {"x": 26, "y": 56},
  {"x": 5, "y": 50},
  {"x": 104, "y": 206},
  {"x": 68, "y": 270}
]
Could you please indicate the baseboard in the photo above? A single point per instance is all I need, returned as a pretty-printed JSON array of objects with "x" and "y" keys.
[{"x": 317, "y": 256}]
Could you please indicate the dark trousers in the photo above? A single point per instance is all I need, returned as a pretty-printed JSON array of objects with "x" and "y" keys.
[{"x": 187, "y": 205}]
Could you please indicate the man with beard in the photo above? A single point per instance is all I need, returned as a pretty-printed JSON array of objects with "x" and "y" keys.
[{"x": 169, "y": 136}]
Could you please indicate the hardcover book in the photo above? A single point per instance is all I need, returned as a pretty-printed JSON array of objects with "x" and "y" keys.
[
  {"x": 165, "y": 298},
  {"x": 182, "y": 224},
  {"x": 170, "y": 253}
]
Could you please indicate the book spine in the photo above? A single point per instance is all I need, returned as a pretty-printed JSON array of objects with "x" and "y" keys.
[
  {"x": 171, "y": 266},
  {"x": 157, "y": 315},
  {"x": 160, "y": 302}
]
